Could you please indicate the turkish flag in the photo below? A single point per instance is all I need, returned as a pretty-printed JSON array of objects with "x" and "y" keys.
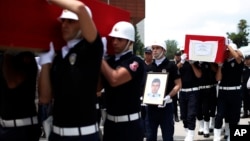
[
  {"x": 205, "y": 48},
  {"x": 32, "y": 24}
]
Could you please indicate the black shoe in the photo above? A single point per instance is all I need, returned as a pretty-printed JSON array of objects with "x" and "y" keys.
[
  {"x": 176, "y": 119},
  {"x": 225, "y": 137},
  {"x": 200, "y": 133},
  {"x": 206, "y": 135},
  {"x": 211, "y": 130}
]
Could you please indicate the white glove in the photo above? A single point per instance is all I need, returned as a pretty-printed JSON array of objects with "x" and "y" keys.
[
  {"x": 248, "y": 83},
  {"x": 245, "y": 51},
  {"x": 220, "y": 64},
  {"x": 104, "y": 42},
  {"x": 183, "y": 58},
  {"x": 47, "y": 126},
  {"x": 167, "y": 99},
  {"x": 228, "y": 41},
  {"x": 142, "y": 104},
  {"x": 45, "y": 58},
  {"x": 191, "y": 61}
]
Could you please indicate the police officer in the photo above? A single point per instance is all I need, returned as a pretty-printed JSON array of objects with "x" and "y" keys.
[
  {"x": 163, "y": 114},
  {"x": 177, "y": 59},
  {"x": 18, "y": 114},
  {"x": 148, "y": 57},
  {"x": 73, "y": 75},
  {"x": 229, "y": 96},
  {"x": 212, "y": 96},
  {"x": 206, "y": 97},
  {"x": 190, "y": 72},
  {"x": 123, "y": 75},
  {"x": 245, "y": 90}
]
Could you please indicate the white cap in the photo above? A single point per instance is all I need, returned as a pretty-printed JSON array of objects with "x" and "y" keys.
[
  {"x": 66, "y": 14},
  {"x": 160, "y": 43},
  {"x": 123, "y": 30}
]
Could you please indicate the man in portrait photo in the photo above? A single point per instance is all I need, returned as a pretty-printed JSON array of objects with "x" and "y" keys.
[{"x": 155, "y": 86}]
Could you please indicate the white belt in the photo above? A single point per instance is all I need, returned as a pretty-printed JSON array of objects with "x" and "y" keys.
[
  {"x": 19, "y": 122},
  {"x": 230, "y": 88},
  {"x": 75, "y": 131},
  {"x": 190, "y": 89},
  {"x": 206, "y": 86},
  {"x": 124, "y": 118}
]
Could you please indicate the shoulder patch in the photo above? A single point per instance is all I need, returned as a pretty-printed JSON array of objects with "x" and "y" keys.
[{"x": 133, "y": 66}]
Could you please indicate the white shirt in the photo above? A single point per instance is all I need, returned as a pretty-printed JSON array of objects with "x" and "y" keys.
[{"x": 70, "y": 44}]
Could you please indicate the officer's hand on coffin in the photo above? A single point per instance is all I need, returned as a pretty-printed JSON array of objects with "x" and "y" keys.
[
  {"x": 47, "y": 57},
  {"x": 228, "y": 41},
  {"x": 191, "y": 61},
  {"x": 220, "y": 64},
  {"x": 104, "y": 42},
  {"x": 183, "y": 58}
]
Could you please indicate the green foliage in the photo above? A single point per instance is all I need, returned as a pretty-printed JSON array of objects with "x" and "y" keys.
[
  {"x": 138, "y": 45},
  {"x": 240, "y": 38},
  {"x": 171, "y": 48}
]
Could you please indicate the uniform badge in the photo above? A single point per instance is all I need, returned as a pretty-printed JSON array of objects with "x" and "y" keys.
[
  {"x": 72, "y": 58},
  {"x": 163, "y": 70},
  {"x": 232, "y": 64},
  {"x": 133, "y": 66}
]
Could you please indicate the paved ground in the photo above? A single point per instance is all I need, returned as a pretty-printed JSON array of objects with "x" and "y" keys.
[{"x": 179, "y": 134}]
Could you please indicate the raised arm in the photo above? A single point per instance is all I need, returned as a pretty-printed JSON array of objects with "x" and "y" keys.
[{"x": 88, "y": 28}]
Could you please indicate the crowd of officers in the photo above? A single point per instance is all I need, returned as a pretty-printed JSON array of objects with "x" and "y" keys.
[
  {"x": 70, "y": 83},
  {"x": 212, "y": 93}
]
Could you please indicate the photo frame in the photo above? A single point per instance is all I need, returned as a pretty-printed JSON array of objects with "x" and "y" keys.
[{"x": 155, "y": 88}]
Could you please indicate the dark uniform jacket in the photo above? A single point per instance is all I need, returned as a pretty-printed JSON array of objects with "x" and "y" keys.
[
  {"x": 125, "y": 99},
  {"x": 74, "y": 81},
  {"x": 19, "y": 102}
]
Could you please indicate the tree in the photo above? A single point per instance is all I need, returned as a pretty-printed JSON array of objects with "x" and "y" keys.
[
  {"x": 240, "y": 38},
  {"x": 171, "y": 48},
  {"x": 138, "y": 45}
]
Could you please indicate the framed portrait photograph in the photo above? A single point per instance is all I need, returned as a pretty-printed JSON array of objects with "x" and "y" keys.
[{"x": 155, "y": 88}]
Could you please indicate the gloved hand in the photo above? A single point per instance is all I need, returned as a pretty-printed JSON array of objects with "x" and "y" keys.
[
  {"x": 142, "y": 104},
  {"x": 183, "y": 58},
  {"x": 248, "y": 83},
  {"x": 228, "y": 41},
  {"x": 167, "y": 99},
  {"x": 45, "y": 58},
  {"x": 104, "y": 42},
  {"x": 191, "y": 61},
  {"x": 220, "y": 64},
  {"x": 233, "y": 46}
]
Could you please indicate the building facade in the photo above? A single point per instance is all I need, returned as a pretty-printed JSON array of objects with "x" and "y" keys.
[{"x": 135, "y": 7}]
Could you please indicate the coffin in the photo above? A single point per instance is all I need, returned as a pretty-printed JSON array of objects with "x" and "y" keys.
[
  {"x": 32, "y": 24},
  {"x": 205, "y": 48}
]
